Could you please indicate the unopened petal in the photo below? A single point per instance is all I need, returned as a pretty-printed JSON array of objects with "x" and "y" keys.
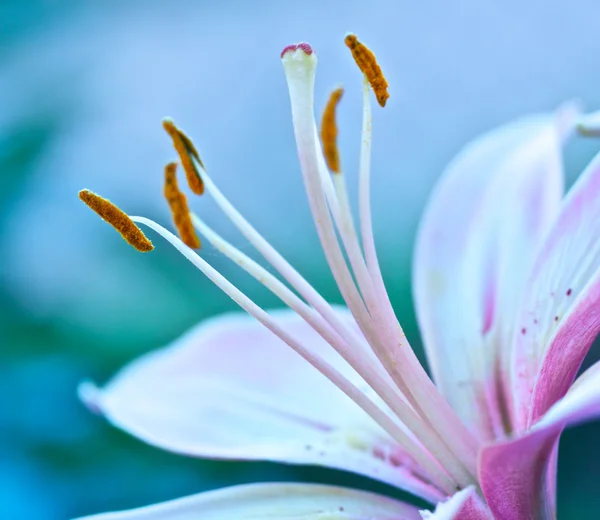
[
  {"x": 269, "y": 501},
  {"x": 231, "y": 389}
]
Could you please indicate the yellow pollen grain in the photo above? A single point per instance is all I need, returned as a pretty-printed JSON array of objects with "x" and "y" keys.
[
  {"x": 329, "y": 131},
  {"x": 179, "y": 208},
  {"x": 187, "y": 153},
  {"x": 117, "y": 219},
  {"x": 367, "y": 63}
]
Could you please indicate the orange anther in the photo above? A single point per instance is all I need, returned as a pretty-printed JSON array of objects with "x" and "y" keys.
[
  {"x": 187, "y": 153},
  {"x": 329, "y": 131},
  {"x": 117, "y": 219},
  {"x": 366, "y": 61},
  {"x": 179, "y": 208}
]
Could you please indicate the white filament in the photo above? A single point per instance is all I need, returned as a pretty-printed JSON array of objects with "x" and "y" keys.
[{"x": 350, "y": 389}]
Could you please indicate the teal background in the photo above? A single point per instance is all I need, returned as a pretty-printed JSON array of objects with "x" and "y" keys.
[{"x": 83, "y": 86}]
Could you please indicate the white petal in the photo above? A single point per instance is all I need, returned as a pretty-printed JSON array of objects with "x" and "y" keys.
[
  {"x": 273, "y": 501},
  {"x": 231, "y": 389}
]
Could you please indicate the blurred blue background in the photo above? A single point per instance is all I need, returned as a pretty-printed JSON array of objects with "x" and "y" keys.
[{"x": 83, "y": 88}]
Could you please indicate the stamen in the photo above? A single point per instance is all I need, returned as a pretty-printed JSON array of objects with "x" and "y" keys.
[
  {"x": 413, "y": 422},
  {"x": 367, "y": 63},
  {"x": 354, "y": 350},
  {"x": 117, "y": 219},
  {"x": 430, "y": 402},
  {"x": 300, "y": 74},
  {"x": 179, "y": 208},
  {"x": 187, "y": 152},
  {"x": 329, "y": 131},
  {"x": 361, "y": 398}
]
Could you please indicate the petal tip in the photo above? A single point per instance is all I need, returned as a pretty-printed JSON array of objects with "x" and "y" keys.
[{"x": 89, "y": 394}]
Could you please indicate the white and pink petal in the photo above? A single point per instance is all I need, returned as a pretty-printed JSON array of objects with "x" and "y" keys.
[
  {"x": 474, "y": 250},
  {"x": 560, "y": 316},
  {"x": 231, "y": 389}
]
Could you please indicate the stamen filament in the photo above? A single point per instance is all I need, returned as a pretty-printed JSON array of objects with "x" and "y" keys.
[
  {"x": 278, "y": 288},
  {"x": 430, "y": 402},
  {"x": 412, "y": 380},
  {"x": 328, "y": 370},
  {"x": 353, "y": 354},
  {"x": 380, "y": 310},
  {"x": 300, "y": 69},
  {"x": 337, "y": 199},
  {"x": 279, "y": 263},
  {"x": 321, "y": 305},
  {"x": 300, "y": 75},
  {"x": 415, "y": 423},
  {"x": 335, "y": 192}
]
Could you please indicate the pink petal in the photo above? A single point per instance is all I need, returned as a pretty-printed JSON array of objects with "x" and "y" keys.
[
  {"x": 231, "y": 389},
  {"x": 474, "y": 250},
  {"x": 269, "y": 501},
  {"x": 561, "y": 312},
  {"x": 464, "y": 505},
  {"x": 514, "y": 475}
]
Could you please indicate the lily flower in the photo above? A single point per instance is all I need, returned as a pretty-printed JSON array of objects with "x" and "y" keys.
[{"x": 507, "y": 288}]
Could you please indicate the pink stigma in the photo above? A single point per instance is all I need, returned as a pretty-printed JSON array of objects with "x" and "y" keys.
[{"x": 308, "y": 50}]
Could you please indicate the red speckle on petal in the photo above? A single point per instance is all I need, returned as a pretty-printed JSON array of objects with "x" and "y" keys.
[
  {"x": 305, "y": 47},
  {"x": 555, "y": 318},
  {"x": 569, "y": 292},
  {"x": 523, "y": 331},
  {"x": 378, "y": 453}
]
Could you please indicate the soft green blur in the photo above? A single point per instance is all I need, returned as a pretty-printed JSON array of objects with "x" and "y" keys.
[{"x": 83, "y": 89}]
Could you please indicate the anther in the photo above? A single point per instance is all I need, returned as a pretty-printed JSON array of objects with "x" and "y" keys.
[
  {"x": 179, "y": 208},
  {"x": 187, "y": 153},
  {"x": 117, "y": 219},
  {"x": 329, "y": 131},
  {"x": 367, "y": 63},
  {"x": 588, "y": 125}
]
